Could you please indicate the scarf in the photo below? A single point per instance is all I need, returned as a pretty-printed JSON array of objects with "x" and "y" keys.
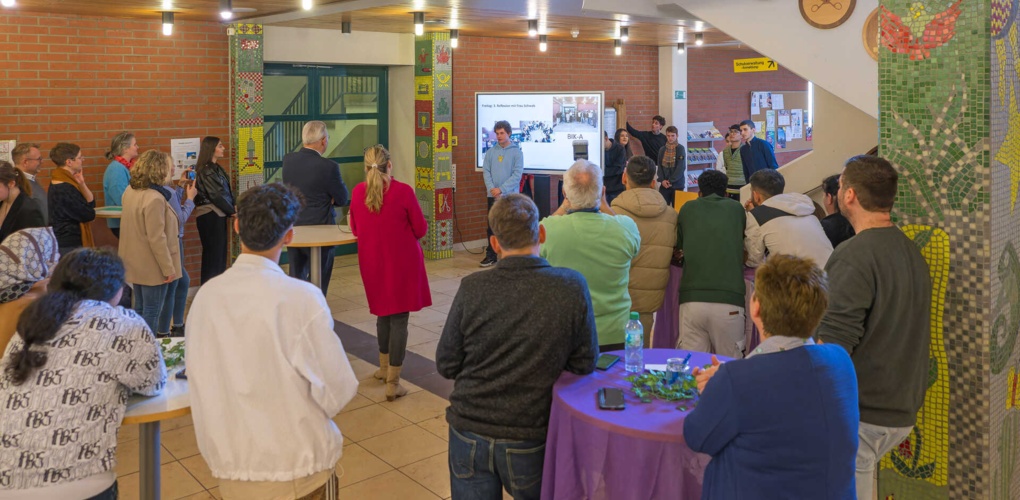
[
  {"x": 669, "y": 157},
  {"x": 5, "y": 205},
  {"x": 61, "y": 174},
  {"x": 26, "y": 258},
  {"x": 124, "y": 161}
]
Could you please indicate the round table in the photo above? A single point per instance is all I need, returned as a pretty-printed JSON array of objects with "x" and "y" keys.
[
  {"x": 113, "y": 212},
  {"x": 636, "y": 453},
  {"x": 148, "y": 411},
  {"x": 325, "y": 235}
]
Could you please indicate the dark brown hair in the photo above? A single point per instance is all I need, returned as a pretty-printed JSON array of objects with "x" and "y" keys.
[
  {"x": 205, "y": 153},
  {"x": 792, "y": 293},
  {"x": 514, "y": 221},
  {"x": 10, "y": 174},
  {"x": 64, "y": 151},
  {"x": 873, "y": 180}
]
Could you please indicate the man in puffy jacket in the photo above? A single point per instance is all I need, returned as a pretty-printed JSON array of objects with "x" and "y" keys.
[
  {"x": 656, "y": 221},
  {"x": 782, "y": 223}
]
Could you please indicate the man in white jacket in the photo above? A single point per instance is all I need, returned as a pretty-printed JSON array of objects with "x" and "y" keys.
[
  {"x": 780, "y": 223},
  {"x": 267, "y": 372}
]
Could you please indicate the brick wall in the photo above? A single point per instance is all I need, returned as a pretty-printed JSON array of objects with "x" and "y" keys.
[
  {"x": 718, "y": 94},
  {"x": 84, "y": 79},
  {"x": 483, "y": 64}
]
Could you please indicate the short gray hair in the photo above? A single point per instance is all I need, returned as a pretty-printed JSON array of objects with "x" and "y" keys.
[
  {"x": 582, "y": 184},
  {"x": 313, "y": 131}
]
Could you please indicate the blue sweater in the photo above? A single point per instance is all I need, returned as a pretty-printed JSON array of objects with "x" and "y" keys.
[
  {"x": 757, "y": 155},
  {"x": 502, "y": 168},
  {"x": 115, "y": 182},
  {"x": 779, "y": 425}
]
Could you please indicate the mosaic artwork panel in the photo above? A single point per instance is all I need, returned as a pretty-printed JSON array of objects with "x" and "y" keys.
[
  {"x": 424, "y": 180},
  {"x": 249, "y": 54},
  {"x": 248, "y": 99},
  {"x": 423, "y": 88},
  {"x": 422, "y": 118},
  {"x": 423, "y": 56},
  {"x": 423, "y": 152},
  {"x": 249, "y": 161},
  {"x": 935, "y": 127},
  {"x": 442, "y": 134},
  {"x": 444, "y": 204},
  {"x": 443, "y": 108},
  {"x": 444, "y": 167},
  {"x": 426, "y": 199}
]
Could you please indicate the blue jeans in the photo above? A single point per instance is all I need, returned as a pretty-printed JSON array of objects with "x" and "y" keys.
[
  {"x": 481, "y": 467},
  {"x": 149, "y": 303},
  {"x": 176, "y": 299}
]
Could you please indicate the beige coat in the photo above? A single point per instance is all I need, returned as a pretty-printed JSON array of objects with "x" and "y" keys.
[
  {"x": 656, "y": 221},
  {"x": 149, "y": 244}
]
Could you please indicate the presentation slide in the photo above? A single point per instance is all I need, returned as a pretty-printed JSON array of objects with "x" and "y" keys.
[{"x": 553, "y": 129}]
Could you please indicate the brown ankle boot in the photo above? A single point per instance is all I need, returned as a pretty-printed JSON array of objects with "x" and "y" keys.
[
  {"x": 384, "y": 363},
  {"x": 393, "y": 388}
]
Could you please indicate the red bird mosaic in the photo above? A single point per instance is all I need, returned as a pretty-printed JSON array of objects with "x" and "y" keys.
[{"x": 921, "y": 32}]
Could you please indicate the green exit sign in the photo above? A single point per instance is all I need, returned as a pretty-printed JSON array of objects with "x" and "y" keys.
[{"x": 679, "y": 94}]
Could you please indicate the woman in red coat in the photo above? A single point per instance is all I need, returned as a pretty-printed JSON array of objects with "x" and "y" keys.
[{"x": 386, "y": 218}]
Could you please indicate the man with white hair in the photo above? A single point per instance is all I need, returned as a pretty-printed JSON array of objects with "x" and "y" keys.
[
  {"x": 585, "y": 235},
  {"x": 318, "y": 179}
]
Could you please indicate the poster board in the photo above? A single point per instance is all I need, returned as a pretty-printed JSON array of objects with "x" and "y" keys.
[
  {"x": 781, "y": 118},
  {"x": 6, "y": 147},
  {"x": 185, "y": 154}
]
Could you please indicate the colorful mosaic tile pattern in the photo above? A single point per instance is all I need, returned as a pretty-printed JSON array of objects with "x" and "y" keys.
[
  {"x": 433, "y": 180},
  {"x": 246, "y": 147}
]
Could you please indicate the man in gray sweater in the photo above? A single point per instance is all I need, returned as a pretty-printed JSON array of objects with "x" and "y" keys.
[
  {"x": 505, "y": 356},
  {"x": 879, "y": 311}
]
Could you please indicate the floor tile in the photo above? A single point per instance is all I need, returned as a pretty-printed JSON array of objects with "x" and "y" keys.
[
  {"x": 439, "y": 299},
  {"x": 404, "y": 446},
  {"x": 375, "y": 390},
  {"x": 361, "y": 300},
  {"x": 418, "y": 335},
  {"x": 215, "y": 492},
  {"x": 181, "y": 442},
  {"x": 199, "y": 469},
  {"x": 370, "y": 421},
  {"x": 202, "y": 495},
  {"x": 175, "y": 423},
  {"x": 354, "y": 316},
  {"x": 363, "y": 369},
  {"x": 128, "y": 458},
  {"x": 419, "y": 406},
  {"x": 435, "y": 326},
  {"x": 127, "y": 432},
  {"x": 359, "y": 401},
  {"x": 347, "y": 289},
  {"x": 443, "y": 308},
  {"x": 174, "y": 483},
  {"x": 368, "y": 327},
  {"x": 445, "y": 285},
  {"x": 357, "y": 464},
  {"x": 432, "y": 473},
  {"x": 393, "y": 484},
  {"x": 338, "y": 305},
  {"x": 437, "y": 426},
  {"x": 426, "y": 316},
  {"x": 427, "y": 349}
]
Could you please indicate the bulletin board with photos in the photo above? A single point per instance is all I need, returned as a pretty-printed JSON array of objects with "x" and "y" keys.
[{"x": 781, "y": 118}]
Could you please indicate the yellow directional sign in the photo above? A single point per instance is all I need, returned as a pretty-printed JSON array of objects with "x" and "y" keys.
[{"x": 754, "y": 64}]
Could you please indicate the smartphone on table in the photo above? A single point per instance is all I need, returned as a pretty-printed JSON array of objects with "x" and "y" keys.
[
  {"x": 605, "y": 361},
  {"x": 611, "y": 398}
]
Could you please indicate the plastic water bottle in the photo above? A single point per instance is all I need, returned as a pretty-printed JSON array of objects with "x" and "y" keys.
[{"x": 634, "y": 343}]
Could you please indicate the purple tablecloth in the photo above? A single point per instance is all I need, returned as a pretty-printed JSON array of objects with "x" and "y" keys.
[{"x": 637, "y": 453}]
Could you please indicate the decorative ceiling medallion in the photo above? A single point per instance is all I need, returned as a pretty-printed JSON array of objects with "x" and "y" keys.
[
  {"x": 869, "y": 34},
  {"x": 826, "y": 14}
]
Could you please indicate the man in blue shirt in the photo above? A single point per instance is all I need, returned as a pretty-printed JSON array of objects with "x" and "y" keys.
[
  {"x": 502, "y": 169},
  {"x": 755, "y": 154}
]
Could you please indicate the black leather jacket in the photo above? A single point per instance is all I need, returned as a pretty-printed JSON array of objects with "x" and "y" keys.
[{"x": 214, "y": 187}]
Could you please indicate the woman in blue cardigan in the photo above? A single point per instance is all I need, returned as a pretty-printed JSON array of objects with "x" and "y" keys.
[{"x": 781, "y": 423}]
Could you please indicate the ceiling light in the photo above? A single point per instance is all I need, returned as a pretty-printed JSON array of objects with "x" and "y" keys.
[
  {"x": 419, "y": 23},
  {"x": 7, "y": 3},
  {"x": 680, "y": 48},
  {"x": 618, "y": 47},
  {"x": 168, "y": 23},
  {"x": 543, "y": 42},
  {"x": 699, "y": 38},
  {"x": 345, "y": 27},
  {"x": 168, "y": 4},
  {"x": 454, "y": 38},
  {"x": 624, "y": 34},
  {"x": 226, "y": 12},
  {"x": 532, "y": 27},
  {"x": 306, "y": 4}
]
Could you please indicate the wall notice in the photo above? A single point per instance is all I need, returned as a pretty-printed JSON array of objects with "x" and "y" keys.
[{"x": 754, "y": 64}]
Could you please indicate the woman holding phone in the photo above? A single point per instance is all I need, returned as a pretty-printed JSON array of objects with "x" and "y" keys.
[
  {"x": 214, "y": 205},
  {"x": 182, "y": 200},
  {"x": 386, "y": 218}
]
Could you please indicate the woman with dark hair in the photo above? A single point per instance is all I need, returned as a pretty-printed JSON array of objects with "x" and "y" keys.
[
  {"x": 617, "y": 154},
  {"x": 71, "y": 204},
  {"x": 387, "y": 219},
  {"x": 149, "y": 242},
  {"x": 18, "y": 210},
  {"x": 213, "y": 206},
  {"x": 122, "y": 155},
  {"x": 66, "y": 378}
]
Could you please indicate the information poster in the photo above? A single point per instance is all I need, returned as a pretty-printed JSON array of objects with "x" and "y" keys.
[
  {"x": 185, "y": 154},
  {"x": 6, "y": 146},
  {"x": 770, "y": 120},
  {"x": 784, "y": 117},
  {"x": 777, "y": 101},
  {"x": 797, "y": 123}
]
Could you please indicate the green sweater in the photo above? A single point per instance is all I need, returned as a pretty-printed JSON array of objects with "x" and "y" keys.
[
  {"x": 600, "y": 247},
  {"x": 710, "y": 231}
]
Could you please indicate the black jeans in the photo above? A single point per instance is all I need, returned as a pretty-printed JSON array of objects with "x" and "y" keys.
[
  {"x": 392, "y": 333},
  {"x": 300, "y": 260},
  {"x": 489, "y": 252},
  {"x": 212, "y": 230}
]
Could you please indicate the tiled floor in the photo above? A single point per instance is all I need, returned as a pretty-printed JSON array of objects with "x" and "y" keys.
[{"x": 391, "y": 450}]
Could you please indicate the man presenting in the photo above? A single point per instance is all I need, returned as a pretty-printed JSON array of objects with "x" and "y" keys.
[
  {"x": 651, "y": 141},
  {"x": 502, "y": 169},
  {"x": 504, "y": 362},
  {"x": 755, "y": 154},
  {"x": 28, "y": 159},
  {"x": 880, "y": 312},
  {"x": 318, "y": 180},
  {"x": 267, "y": 372}
]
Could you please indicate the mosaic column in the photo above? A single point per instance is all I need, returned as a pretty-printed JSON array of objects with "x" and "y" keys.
[
  {"x": 433, "y": 74},
  {"x": 246, "y": 50},
  {"x": 947, "y": 86}
]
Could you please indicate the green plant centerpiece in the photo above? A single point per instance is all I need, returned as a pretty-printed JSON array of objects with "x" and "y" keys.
[
  {"x": 654, "y": 384},
  {"x": 173, "y": 352}
]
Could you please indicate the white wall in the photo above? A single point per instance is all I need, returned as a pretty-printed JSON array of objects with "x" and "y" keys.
[
  {"x": 402, "y": 122},
  {"x": 672, "y": 77},
  {"x": 834, "y": 58}
]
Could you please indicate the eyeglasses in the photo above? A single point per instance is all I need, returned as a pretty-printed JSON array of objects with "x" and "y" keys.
[
  {"x": 34, "y": 159},
  {"x": 373, "y": 147}
]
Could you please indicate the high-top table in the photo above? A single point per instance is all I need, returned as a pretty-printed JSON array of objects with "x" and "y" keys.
[
  {"x": 147, "y": 411},
  {"x": 326, "y": 235},
  {"x": 636, "y": 453},
  {"x": 113, "y": 212}
]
